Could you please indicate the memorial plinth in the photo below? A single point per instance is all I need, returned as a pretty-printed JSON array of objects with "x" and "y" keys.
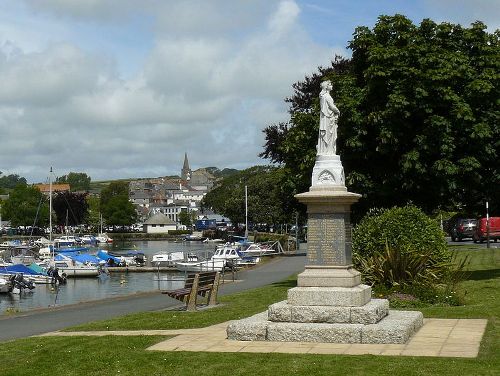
[
  {"x": 329, "y": 255},
  {"x": 329, "y": 304}
]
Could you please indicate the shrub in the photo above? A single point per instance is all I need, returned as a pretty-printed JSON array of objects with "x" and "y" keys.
[
  {"x": 394, "y": 267},
  {"x": 403, "y": 254},
  {"x": 405, "y": 229},
  {"x": 179, "y": 232}
]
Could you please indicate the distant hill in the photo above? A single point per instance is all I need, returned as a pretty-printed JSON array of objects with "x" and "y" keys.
[
  {"x": 97, "y": 186},
  {"x": 221, "y": 173}
]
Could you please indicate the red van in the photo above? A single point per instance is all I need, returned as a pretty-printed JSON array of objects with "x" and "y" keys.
[{"x": 480, "y": 234}]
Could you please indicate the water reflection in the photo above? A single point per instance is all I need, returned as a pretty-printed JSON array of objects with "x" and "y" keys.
[{"x": 116, "y": 284}]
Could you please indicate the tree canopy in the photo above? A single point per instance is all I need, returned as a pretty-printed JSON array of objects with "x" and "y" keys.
[
  {"x": 26, "y": 206},
  {"x": 115, "y": 205},
  {"x": 264, "y": 196},
  {"x": 78, "y": 181},
  {"x": 70, "y": 208},
  {"x": 11, "y": 181},
  {"x": 119, "y": 211},
  {"x": 419, "y": 117}
]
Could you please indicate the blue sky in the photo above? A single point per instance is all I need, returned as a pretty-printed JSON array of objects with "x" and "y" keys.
[{"x": 122, "y": 88}]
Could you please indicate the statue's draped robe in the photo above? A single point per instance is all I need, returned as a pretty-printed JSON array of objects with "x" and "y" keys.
[{"x": 327, "y": 125}]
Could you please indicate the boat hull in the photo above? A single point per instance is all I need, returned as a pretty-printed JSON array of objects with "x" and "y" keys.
[{"x": 203, "y": 266}]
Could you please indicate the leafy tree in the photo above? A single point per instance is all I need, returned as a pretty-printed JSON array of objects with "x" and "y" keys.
[
  {"x": 119, "y": 211},
  {"x": 71, "y": 206},
  {"x": 185, "y": 219},
  {"x": 264, "y": 191},
  {"x": 94, "y": 211},
  {"x": 11, "y": 181},
  {"x": 115, "y": 188},
  {"x": 419, "y": 117},
  {"x": 78, "y": 181},
  {"x": 115, "y": 206},
  {"x": 26, "y": 206}
]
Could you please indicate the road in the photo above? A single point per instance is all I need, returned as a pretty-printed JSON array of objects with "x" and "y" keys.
[
  {"x": 470, "y": 242},
  {"x": 51, "y": 319}
]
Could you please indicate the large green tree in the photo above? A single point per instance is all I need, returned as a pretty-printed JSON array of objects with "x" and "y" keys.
[
  {"x": 70, "y": 208},
  {"x": 26, "y": 206},
  {"x": 115, "y": 206},
  {"x": 419, "y": 117},
  {"x": 264, "y": 192},
  {"x": 78, "y": 181},
  {"x": 119, "y": 211},
  {"x": 11, "y": 181}
]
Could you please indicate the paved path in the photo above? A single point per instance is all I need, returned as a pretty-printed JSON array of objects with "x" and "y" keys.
[
  {"x": 48, "y": 320},
  {"x": 457, "y": 338}
]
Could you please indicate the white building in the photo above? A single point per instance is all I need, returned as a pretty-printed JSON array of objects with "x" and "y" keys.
[{"x": 159, "y": 224}]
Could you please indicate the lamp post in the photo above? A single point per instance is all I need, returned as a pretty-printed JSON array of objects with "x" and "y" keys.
[{"x": 487, "y": 226}]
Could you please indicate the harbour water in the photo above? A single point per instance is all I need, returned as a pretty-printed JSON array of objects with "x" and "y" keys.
[{"x": 116, "y": 284}]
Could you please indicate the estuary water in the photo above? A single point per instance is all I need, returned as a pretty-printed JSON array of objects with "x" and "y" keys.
[{"x": 116, "y": 284}]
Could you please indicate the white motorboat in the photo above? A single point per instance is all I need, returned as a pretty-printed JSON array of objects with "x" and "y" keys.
[
  {"x": 67, "y": 241},
  {"x": 207, "y": 240},
  {"x": 43, "y": 242},
  {"x": 5, "y": 285},
  {"x": 72, "y": 268},
  {"x": 262, "y": 249},
  {"x": 46, "y": 252},
  {"x": 216, "y": 265},
  {"x": 89, "y": 239},
  {"x": 221, "y": 258},
  {"x": 167, "y": 259},
  {"x": 103, "y": 238}
]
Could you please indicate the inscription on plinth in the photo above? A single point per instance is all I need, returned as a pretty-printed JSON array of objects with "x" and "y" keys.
[{"x": 329, "y": 239}]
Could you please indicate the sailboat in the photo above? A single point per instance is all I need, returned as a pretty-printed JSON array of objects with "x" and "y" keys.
[
  {"x": 65, "y": 265},
  {"x": 103, "y": 237}
]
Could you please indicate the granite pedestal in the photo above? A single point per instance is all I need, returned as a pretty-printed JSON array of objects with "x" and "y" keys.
[{"x": 329, "y": 304}]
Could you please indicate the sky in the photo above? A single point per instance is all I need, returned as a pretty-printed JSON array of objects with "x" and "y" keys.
[{"x": 123, "y": 88}]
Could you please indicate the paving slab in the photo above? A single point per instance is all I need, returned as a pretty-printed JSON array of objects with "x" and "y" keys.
[{"x": 425, "y": 342}]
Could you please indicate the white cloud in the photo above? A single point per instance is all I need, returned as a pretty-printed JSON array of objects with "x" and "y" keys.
[
  {"x": 46, "y": 78},
  {"x": 208, "y": 86},
  {"x": 465, "y": 12}
]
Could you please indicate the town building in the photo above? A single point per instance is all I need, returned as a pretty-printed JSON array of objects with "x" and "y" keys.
[
  {"x": 45, "y": 188},
  {"x": 159, "y": 224}
]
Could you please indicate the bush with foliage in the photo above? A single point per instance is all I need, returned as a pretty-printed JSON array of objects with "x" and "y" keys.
[
  {"x": 405, "y": 229},
  {"x": 403, "y": 254}
]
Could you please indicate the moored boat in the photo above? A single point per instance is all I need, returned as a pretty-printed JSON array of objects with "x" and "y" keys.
[
  {"x": 67, "y": 241},
  {"x": 166, "y": 258},
  {"x": 72, "y": 268},
  {"x": 103, "y": 238}
]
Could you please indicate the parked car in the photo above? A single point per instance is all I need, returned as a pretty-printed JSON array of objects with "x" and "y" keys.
[
  {"x": 463, "y": 228},
  {"x": 480, "y": 233}
]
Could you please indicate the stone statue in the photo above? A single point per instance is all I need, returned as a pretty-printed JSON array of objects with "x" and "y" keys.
[{"x": 329, "y": 114}]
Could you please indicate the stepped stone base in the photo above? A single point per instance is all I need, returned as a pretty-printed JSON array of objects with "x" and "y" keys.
[
  {"x": 329, "y": 276},
  {"x": 370, "y": 313},
  {"x": 396, "y": 327},
  {"x": 330, "y": 296}
]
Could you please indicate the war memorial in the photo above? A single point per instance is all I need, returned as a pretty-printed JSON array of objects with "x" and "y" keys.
[{"x": 329, "y": 304}]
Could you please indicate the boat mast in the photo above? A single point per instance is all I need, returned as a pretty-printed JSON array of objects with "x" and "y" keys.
[
  {"x": 246, "y": 212},
  {"x": 50, "y": 214},
  {"x": 50, "y": 205}
]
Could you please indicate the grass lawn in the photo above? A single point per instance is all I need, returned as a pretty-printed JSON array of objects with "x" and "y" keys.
[{"x": 126, "y": 355}]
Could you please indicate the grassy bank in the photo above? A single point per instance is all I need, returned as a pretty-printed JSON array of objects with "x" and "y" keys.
[{"x": 126, "y": 355}]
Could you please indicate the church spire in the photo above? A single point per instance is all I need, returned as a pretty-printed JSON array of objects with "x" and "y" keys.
[{"x": 186, "y": 171}]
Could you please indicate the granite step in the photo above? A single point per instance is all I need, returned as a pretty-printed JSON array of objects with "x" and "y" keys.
[{"x": 397, "y": 327}]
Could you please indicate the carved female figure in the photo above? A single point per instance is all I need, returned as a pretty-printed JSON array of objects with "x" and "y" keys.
[{"x": 329, "y": 114}]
